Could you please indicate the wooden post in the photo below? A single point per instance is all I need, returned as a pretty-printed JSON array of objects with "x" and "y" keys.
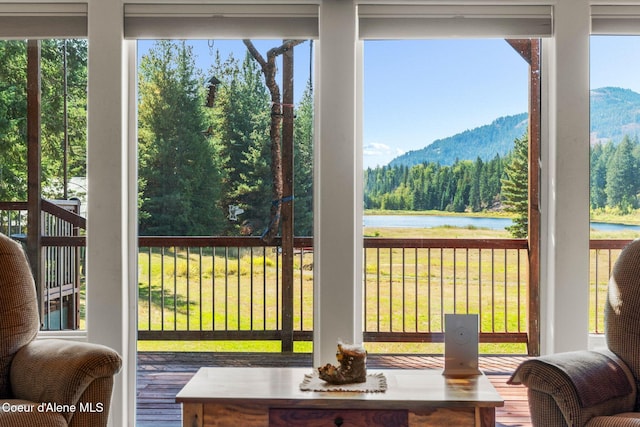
[
  {"x": 287, "y": 202},
  {"x": 529, "y": 49},
  {"x": 533, "y": 346},
  {"x": 34, "y": 229}
]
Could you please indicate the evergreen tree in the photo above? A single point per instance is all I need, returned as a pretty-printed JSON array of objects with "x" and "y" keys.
[
  {"x": 621, "y": 188},
  {"x": 475, "y": 201},
  {"x": 303, "y": 165},
  {"x": 492, "y": 184},
  {"x": 13, "y": 120},
  {"x": 13, "y": 115},
  {"x": 598, "y": 177},
  {"x": 180, "y": 182},
  {"x": 241, "y": 130},
  {"x": 515, "y": 188}
]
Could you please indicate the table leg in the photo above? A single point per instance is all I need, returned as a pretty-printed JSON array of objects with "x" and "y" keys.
[
  {"x": 192, "y": 415},
  {"x": 485, "y": 417}
]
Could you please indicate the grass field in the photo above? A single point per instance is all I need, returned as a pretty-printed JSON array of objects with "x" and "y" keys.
[{"x": 228, "y": 299}]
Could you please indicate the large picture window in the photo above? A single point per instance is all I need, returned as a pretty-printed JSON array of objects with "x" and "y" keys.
[
  {"x": 225, "y": 143},
  {"x": 43, "y": 143},
  {"x": 615, "y": 149},
  {"x": 451, "y": 129}
]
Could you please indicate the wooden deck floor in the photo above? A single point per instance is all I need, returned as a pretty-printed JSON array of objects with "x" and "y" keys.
[{"x": 162, "y": 375}]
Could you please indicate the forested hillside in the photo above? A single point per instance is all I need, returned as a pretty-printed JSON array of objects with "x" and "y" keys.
[
  {"x": 483, "y": 142},
  {"x": 615, "y": 112},
  {"x": 476, "y": 185},
  {"x": 464, "y": 172}
]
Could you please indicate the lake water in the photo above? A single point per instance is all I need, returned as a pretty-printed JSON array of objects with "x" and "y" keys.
[{"x": 430, "y": 221}]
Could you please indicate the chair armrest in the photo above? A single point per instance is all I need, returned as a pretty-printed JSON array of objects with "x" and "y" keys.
[
  {"x": 53, "y": 370},
  {"x": 580, "y": 384}
]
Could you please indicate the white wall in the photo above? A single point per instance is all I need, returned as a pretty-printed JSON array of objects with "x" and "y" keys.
[
  {"x": 338, "y": 226},
  {"x": 565, "y": 204},
  {"x": 110, "y": 241},
  {"x": 112, "y": 238}
]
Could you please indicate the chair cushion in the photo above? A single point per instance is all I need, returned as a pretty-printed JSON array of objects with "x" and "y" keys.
[
  {"x": 595, "y": 376},
  {"x": 21, "y": 413},
  {"x": 622, "y": 310},
  {"x": 19, "y": 319},
  {"x": 627, "y": 419}
]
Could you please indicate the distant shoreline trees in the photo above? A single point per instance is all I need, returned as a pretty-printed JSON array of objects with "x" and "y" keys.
[
  {"x": 501, "y": 183},
  {"x": 464, "y": 186}
]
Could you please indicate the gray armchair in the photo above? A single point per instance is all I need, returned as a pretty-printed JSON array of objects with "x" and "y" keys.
[
  {"x": 48, "y": 382},
  {"x": 589, "y": 388}
]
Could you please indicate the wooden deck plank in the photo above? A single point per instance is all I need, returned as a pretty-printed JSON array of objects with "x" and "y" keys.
[{"x": 162, "y": 375}]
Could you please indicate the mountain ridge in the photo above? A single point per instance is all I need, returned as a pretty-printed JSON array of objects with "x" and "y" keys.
[{"x": 615, "y": 112}]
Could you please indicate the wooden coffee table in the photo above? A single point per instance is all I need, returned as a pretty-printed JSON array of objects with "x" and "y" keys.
[{"x": 272, "y": 397}]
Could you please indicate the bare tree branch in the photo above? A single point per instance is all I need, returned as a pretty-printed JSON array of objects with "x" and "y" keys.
[{"x": 269, "y": 70}]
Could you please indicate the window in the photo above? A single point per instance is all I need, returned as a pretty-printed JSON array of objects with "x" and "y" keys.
[
  {"x": 43, "y": 98},
  {"x": 441, "y": 118},
  {"x": 445, "y": 87},
  {"x": 615, "y": 128},
  {"x": 225, "y": 139}
]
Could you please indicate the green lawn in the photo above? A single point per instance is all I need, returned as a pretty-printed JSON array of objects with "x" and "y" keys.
[{"x": 177, "y": 300}]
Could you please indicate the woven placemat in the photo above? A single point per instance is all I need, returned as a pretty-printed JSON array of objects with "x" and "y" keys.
[{"x": 375, "y": 383}]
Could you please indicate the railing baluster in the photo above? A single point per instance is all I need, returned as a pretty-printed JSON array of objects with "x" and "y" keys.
[
  {"x": 226, "y": 288},
  {"x": 519, "y": 326},
  {"x": 466, "y": 272},
  {"x": 264, "y": 289},
  {"x": 188, "y": 289},
  {"x": 213, "y": 288},
  {"x": 277, "y": 288},
  {"x": 506, "y": 285},
  {"x": 238, "y": 292},
  {"x": 404, "y": 326},
  {"x": 455, "y": 283},
  {"x": 162, "y": 287},
  {"x": 175, "y": 288},
  {"x": 493, "y": 291},
  {"x": 442, "y": 308},
  {"x": 200, "y": 285},
  {"x": 149, "y": 296},
  {"x": 378, "y": 280},
  {"x": 429, "y": 300},
  {"x": 480, "y": 301},
  {"x": 251, "y": 290},
  {"x": 416, "y": 291}
]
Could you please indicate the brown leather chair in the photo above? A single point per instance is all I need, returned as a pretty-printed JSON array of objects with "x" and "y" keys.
[
  {"x": 590, "y": 388},
  {"x": 45, "y": 382}
]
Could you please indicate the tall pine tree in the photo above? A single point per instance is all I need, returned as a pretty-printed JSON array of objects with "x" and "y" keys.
[
  {"x": 241, "y": 130},
  {"x": 621, "y": 188},
  {"x": 515, "y": 188},
  {"x": 303, "y": 165},
  {"x": 180, "y": 184}
]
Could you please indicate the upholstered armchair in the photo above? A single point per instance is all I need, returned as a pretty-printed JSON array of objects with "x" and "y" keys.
[
  {"x": 45, "y": 382},
  {"x": 589, "y": 388}
]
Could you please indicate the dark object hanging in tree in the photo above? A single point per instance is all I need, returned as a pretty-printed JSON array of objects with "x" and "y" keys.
[
  {"x": 209, "y": 132},
  {"x": 212, "y": 85}
]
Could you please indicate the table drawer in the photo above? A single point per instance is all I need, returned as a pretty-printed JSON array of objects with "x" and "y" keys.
[{"x": 337, "y": 417}]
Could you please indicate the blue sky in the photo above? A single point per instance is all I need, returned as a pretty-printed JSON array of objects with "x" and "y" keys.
[
  {"x": 418, "y": 91},
  {"x": 423, "y": 90}
]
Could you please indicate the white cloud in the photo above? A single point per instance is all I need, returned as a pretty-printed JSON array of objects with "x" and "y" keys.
[{"x": 378, "y": 154}]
